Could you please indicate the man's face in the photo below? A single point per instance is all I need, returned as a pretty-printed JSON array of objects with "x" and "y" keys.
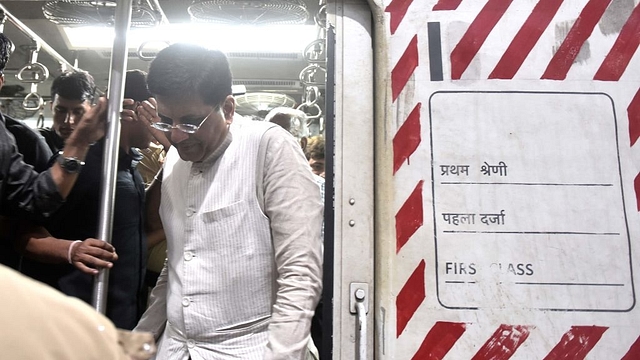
[
  {"x": 66, "y": 114},
  {"x": 199, "y": 145},
  {"x": 317, "y": 166}
]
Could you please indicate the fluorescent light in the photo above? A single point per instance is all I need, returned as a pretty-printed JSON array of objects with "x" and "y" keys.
[{"x": 228, "y": 38}]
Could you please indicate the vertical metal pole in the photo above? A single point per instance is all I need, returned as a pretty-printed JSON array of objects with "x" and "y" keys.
[{"x": 112, "y": 143}]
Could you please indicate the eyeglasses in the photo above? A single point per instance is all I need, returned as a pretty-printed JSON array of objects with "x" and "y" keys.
[{"x": 186, "y": 128}]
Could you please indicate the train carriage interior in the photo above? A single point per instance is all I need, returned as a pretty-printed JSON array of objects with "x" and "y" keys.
[{"x": 276, "y": 48}]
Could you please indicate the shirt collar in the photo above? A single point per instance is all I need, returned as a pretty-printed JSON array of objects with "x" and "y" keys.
[{"x": 217, "y": 153}]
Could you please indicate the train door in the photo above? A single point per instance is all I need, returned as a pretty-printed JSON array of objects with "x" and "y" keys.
[
  {"x": 506, "y": 187},
  {"x": 352, "y": 251}
]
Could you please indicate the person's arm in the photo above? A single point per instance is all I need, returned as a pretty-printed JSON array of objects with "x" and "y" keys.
[
  {"x": 147, "y": 112},
  {"x": 87, "y": 255},
  {"x": 155, "y": 317},
  {"x": 39, "y": 195},
  {"x": 89, "y": 130},
  {"x": 292, "y": 203},
  {"x": 153, "y": 223}
]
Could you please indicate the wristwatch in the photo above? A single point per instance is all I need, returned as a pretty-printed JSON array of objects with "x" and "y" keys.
[{"x": 72, "y": 164}]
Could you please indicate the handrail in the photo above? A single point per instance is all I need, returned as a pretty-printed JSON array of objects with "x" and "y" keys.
[
  {"x": 35, "y": 98},
  {"x": 164, "y": 19},
  {"x": 30, "y": 33},
  {"x": 39, "y": 73},
  {"x": 109, "y": 166}
]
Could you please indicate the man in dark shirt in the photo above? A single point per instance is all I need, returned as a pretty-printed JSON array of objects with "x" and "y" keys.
[
  {"x": 24, "y": 192},
  {"x": 78, "y": 219},
  {"x": 71, "y": 96},
  {"x": 31, "y": 145},
  {"x": 36, "y": 153}
]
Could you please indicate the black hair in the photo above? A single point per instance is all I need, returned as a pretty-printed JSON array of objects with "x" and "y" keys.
[
  {"x": 136, "y": 86},
  {"x": 185, "y": 70},
  {"x": 74, "y": 85},
  {"x": 6, "y": 48}
]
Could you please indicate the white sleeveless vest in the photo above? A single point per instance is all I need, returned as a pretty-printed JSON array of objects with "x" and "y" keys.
[{"x": 221, "y": 270}]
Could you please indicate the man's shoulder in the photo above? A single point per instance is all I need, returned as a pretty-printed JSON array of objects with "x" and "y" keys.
[
  {"x": 258, "y": 131},
  {"x": 19, "y": 127},
  {"x": 51, "y": 138},
  {"x": 46, "y": 131},
  {"x": 246, "y": 124}
]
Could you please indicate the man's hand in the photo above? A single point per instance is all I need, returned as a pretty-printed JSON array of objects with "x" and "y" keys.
[
  {"x": 148, "y": 112},
  {"x": 129, "y": 110},
  {"x": 91, "y": 254},
  {"x": 92, "y": 126}
]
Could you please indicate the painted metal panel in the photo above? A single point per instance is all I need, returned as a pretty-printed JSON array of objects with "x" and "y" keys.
[
  {"x": 354, "y": 171},
  {"x": 507, "y": 179}
]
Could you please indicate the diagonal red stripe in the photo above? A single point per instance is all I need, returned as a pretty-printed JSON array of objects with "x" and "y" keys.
[
  {"x": 410, "y": 297},
  {"x": 446, "y": 5},
  {"x": 439, "y": 340},
  {"x": 404, "y": 68},
  {"x": 576, "y": 343},
  {"x": 525, "y": 39},
  {"x": 475, "y": 36},
  {"x": 503, "y": 343},
  {"x": 636, "y": 188},
  {"x": 410, "y": 217},
  {"x": 407, "y": 139},
  {"x": 622, "y": 51},
  {"x": 397, "y": 9},
  {"x": 634, "y": 351},
  {"x": 580, "y": 31},
  {"x": 633, "y": 113}
]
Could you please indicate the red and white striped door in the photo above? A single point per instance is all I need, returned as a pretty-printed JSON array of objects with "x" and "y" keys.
[{"x": 514, "y": 224}]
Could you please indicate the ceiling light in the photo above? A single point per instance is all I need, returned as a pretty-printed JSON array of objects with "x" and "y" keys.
[{"x": 227, "y": 38}]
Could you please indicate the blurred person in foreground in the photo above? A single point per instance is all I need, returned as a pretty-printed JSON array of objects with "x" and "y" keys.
[{"x": 40, "y": 323}]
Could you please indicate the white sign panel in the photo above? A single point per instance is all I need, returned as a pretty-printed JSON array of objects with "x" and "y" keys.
[{"x": 528, "y": 206}]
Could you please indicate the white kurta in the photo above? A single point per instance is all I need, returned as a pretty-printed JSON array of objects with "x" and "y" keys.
[{"x": 243, "y": 274}]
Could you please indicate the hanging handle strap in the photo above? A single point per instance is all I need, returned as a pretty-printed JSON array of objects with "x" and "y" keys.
[
  {"x": 33, "y": 73},
  {"x": 32, "y": 102}
]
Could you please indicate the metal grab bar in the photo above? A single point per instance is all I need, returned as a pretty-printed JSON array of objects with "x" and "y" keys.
[
  {"x": 321, "y": 17},
  {"x": 35, "y": 98},
  {"x": 140, "y": 51},
  {"x": 46, "y": 47},
  {"x": 361, "y": 330},
  {"x": 308, "y": 75},
  {"x": 39, "y": 73},
  {"x": 311, "y": 95},
  {"x": 359, "y": 305},
  {"x": 112, "y": 142},
  {"x": 307, "y": 107},
  {"x": 313, "y": 51}
]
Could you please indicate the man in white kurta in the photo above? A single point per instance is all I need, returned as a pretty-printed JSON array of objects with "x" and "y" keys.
[{"x": 242, "y": 216}]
